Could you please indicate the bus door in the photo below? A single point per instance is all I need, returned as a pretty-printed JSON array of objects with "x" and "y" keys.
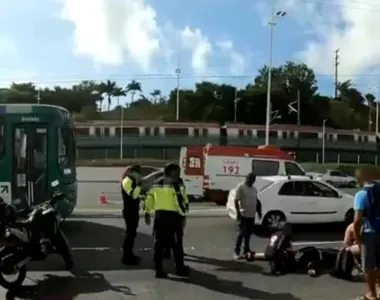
[{"x": 30, "y": 157}]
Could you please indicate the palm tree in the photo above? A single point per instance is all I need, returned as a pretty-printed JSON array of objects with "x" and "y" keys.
[
  {"x": 109, "y": 87},
  {"x": 133, "y": 87},
  {"x": 371, "y": 103},
  {"x": 118, "y": 92},
  {"x": 156, "y": 94}
]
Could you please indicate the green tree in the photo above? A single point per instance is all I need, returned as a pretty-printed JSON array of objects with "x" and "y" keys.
[
  {"x": 212, "y": 102},
  {"x": 156, "y": 94},
  {"x": 133, "y": 87},
  {"x": 108, "y": 88}
]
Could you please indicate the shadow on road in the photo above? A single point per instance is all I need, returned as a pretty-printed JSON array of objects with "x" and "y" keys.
[
  {"x": 230, "y": 287},
  {"x": 312, "y": 232},
  {"x": 225, "y": 265},
  {"x": 68, "y": 287},
  {"x": 96, "y": 247}
]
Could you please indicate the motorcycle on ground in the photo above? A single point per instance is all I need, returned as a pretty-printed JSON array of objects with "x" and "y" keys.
[{"x": 30, "y": 239}]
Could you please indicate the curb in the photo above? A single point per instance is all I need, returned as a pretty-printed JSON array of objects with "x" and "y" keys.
[{"x": 116, "y": 213}]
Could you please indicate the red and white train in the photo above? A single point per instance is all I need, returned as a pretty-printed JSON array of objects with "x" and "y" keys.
[{"x": 160, "y": 128}]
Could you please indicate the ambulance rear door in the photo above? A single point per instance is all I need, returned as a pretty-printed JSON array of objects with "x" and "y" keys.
[
  {"x": 192, "y": 171},
  {"x": 225, "y": 172}
]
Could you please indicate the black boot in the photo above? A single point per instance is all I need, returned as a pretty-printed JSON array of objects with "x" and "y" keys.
[
  {"x": 183, "y": 271},
  {"x": 161, "y": 274},
  {"x": 167, "y": 253},
  {"x": 131, "y": 260}
]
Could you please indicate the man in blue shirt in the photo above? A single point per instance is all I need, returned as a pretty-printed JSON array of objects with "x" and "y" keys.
[{"x": 366, "y": 236}]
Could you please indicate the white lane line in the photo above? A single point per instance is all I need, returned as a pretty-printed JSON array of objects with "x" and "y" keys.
[{"x": 312, "y": 243}]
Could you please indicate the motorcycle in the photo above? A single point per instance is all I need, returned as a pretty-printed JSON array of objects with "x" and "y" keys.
[{"x": 30, "y": 239}]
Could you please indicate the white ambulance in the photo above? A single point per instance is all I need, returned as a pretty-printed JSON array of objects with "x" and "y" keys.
[{"x": 212, "y": 171}]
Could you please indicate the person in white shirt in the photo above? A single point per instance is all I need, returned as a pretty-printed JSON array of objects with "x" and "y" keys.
[{"x": 247, "y": 205}]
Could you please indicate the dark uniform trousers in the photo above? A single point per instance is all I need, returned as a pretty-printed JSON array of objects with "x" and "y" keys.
[
  {"x": 131, "y": 217},
  {"x": 168, "y": 228}
]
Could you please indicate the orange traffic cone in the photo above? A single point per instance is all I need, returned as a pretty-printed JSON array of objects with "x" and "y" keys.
[{"x": 103, "y": 198}]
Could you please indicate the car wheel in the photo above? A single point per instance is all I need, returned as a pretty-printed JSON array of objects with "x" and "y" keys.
[
  {"x": 349, "y": 216},
  {"x": 352, "y": 184},
  {"x": 273, "y": 220}
]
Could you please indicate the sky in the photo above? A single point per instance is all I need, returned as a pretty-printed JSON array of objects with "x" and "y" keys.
[{"x": 61, "y": 42}]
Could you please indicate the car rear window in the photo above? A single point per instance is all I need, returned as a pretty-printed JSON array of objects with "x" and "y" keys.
[{"x": 265, "y": 167}]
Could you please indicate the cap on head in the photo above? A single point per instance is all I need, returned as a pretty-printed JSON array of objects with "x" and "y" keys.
[
  {"x": 251, "y": 176},
  {"x": 285, "y": 227},
  {"x": 135, "y": 168},
  {"x": 170, "y": 168}
]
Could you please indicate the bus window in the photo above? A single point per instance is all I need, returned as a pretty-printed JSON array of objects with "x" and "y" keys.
[
  {"x": 2, "y": 143},
  {"x": 66, "y": 149}
]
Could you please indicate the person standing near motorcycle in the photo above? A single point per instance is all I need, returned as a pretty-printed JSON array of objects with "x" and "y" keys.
[
  {"x": 131, "y": 192},
  {"x": 166, "y": 200}
]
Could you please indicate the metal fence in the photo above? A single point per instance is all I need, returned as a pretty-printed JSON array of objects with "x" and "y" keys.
[{"x": 173, "y": 154}]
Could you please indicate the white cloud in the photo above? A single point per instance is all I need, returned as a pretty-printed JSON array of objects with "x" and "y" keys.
[
  {"x": 8, "y": 47},
  {"x": 352, "y": 27},
  {"x": 237, "y": 60},
  {"x": 200, "y": 47},
  {"x": 115, "y": 32}
]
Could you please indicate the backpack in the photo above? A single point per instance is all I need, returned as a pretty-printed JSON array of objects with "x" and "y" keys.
[
  {"x": 308, "y": 257},
  {"x": 344, "y": 265},
  {"x": 278, "y": 243},
  {"x": 373, "y": 213}
]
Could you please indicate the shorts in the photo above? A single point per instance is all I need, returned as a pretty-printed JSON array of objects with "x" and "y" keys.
[{"x": 370, "y": 252}]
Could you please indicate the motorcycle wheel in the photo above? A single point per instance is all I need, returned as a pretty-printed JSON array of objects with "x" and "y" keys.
[{"x": 20, "y": 275}]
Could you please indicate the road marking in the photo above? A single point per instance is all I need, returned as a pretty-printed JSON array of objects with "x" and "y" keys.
[
  {"x": 186, "y": 248},
  {"x": 200, "y": 211},
  {"x": 311, "y": 243}
]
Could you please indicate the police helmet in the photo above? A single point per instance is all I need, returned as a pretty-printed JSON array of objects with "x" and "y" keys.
[
  {"x": 285, "y": 227},
  {"x": 135, "y": 168},
  {"x": 170, "y": 168}
]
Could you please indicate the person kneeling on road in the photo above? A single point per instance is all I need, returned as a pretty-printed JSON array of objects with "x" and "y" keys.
[
  {"x": 246, "y": 205},
  {"x": 351, "y": 245},
  {"x": 164, "y": 198},
  {"x": 283, "y": 259}
]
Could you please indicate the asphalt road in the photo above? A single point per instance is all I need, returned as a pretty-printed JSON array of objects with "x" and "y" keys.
[
  {"x": 208, "y": 241},
  {"x": 93, "y": 181}
]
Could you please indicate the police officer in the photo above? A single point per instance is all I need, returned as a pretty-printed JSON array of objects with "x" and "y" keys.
[
  {"x": 131, "y": 192},
  {"x": 176, "y": 173},
  {"x": 165, "y": 198}
]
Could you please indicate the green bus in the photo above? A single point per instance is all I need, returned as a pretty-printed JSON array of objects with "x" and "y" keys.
[{"x": 37, "y": 147}]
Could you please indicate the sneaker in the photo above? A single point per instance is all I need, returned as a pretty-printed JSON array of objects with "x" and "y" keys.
[
  {"x": 161, "y": 274},
  {"x": 237, "y": 256}
]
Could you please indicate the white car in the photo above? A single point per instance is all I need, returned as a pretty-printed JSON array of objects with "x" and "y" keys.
[
  {"x": 337, "y": 178},
  {"x": 298, "y": 200}
]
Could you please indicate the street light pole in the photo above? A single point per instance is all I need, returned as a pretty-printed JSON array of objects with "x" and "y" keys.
[
  {"x": 178, "y": 72},
  {"x": 236, "y": 100},
  {"x": 323, "y": 140},
  {"x": 272, "y": 24},
  {"x": 121, "y": 132},
  {"x": 38, "y": 96}
]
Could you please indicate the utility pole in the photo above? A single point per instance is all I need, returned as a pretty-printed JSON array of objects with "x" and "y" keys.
[
  {"x": 38, "y": 97},
  {"x": 178, "y": 72},
  {"x": 236, "y": 100},
  {"x": 298, "y": 107},
  {"x": 377, "y": 112},
  {"x": 336, "y": 64},
  {"x": 272, "y": 23}
]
